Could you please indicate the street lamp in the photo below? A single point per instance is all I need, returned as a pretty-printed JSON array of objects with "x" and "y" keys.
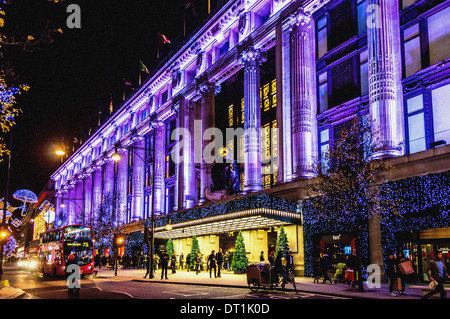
[
  {"x": 62, "y": 205},
  {"x": 116, "y": 157}
]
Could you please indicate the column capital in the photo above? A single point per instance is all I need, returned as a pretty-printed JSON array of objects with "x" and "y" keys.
[
  {"x": 300, "y": 18},
  {"x": 156, "y": 124},
  {"x": 205, "y": 87},
  {"x": 251, "y": 56}
]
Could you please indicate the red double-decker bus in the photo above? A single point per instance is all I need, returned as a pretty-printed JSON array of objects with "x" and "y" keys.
[{"x": 56, "y": 246}]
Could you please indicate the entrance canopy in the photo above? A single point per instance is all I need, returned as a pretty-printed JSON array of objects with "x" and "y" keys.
[{"x": 251, "y": 212}]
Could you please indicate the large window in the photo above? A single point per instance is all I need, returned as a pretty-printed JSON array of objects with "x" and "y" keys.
[
  {"x": 342, "y": 21},
  {"x": 426, "y": 41},
  {"x": 441, "y": 113},
  {"x": 344, "y": 86},
  {"x": 439, "y": 36},
  {"x": 416, "y": 124}
]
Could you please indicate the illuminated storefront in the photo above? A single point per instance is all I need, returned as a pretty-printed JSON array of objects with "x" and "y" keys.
[{"x": 295, "y": 72}]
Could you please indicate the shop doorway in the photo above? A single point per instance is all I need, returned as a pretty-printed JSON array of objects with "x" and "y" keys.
[{"x": 227, "y": 241}]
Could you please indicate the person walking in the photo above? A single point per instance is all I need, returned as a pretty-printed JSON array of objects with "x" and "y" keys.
[
  {"x": 437, "y": 272},
  {"x": 212, "y": 264},
  {"x": 147, "y": 273},
  {"x": 391, "y": 273},
  {"x": 325, "y": 265},
  {"x": 219, "y": 259},
  {"x": 316, "y": 269},
  {"x": 400, "y": 259},
  {"x": 198, "y": 261},
  {"x": 164, "y": 264}
]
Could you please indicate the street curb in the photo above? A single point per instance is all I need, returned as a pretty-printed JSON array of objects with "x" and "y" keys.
[{"x": 246, "y": 287}]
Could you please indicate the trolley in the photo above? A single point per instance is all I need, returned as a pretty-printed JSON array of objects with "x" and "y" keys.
[{"x": 264, "y": 275}]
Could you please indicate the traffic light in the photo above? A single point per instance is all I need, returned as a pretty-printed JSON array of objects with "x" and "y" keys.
[{"x": 119, "y": 240}]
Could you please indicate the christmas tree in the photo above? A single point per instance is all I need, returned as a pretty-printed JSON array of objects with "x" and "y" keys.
[
  {"x": 169, "y": 248},
  {"x": 240, "y": 260},
  {"x": 282, "y": 244},
  {"x": 194, "y": 251}
]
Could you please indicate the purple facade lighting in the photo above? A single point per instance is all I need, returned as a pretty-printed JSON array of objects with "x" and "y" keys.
[{"x": 235, "y": 40}]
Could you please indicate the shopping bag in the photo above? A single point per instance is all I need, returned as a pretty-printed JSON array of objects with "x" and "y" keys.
[
  {"x": 432, "y": 285},
  {"x": 397, "y": 284},
  {"x": 349, "y": 275},
  {"x": 406, "y": 267}
]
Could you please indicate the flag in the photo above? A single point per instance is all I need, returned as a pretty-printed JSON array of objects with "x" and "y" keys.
[
  {"x": 144, "y": 68},
  {"x": 111, "y": 105},
  {"x": 128, "y": 83},
  {"x": 163, "y": 39},
  {"x": 188, "y": 4}
]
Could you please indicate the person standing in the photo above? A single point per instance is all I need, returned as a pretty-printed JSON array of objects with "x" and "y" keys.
[
  {"x": 181, "y": 261},
  {"x": 261, "y": 257},
  {"x": 164, "y": 264},
  {"x": 437, "y": 272},
  {"x": 219, "y": 259},
  {"x": 188, "y": 261},
  {"x": 212, "y": 264}
]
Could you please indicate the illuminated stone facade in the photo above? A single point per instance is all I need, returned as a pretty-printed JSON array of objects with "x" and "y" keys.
[{"x": 303, "y": 67}]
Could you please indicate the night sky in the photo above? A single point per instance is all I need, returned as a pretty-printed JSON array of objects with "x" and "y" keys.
[{"x": 75, "y": 76}]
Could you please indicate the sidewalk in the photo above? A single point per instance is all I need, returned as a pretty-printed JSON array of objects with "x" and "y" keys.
[{"x": 229, "y": 279}]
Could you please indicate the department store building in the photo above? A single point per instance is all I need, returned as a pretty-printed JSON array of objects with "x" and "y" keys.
[{"x": 300, "y": 70}]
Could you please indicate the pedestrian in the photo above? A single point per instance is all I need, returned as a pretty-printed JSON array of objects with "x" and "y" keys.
[
  {"x": 391, "y": 273},
  {"x": 316, "y": 269},
  {"x": 219, "y": 259},
  {"x": 400, "y": 259},
  {"x": 198, "y": 261},
  {"x": 97, "y": 261},
  {"x": 261, "y": 257},
  {"x": 353, "y": 263},
  {"x": 148, "y": 268},
  {"x": 289, "y": 260},
  {"x": 188, "y": 261},
  {"x": 437, "y": 272},
  {"x": 181, "y": 261},
  {"x": 164, "y": 264},
  {"x": 325, "y": 265},
  {"x": 173, "y": 263},
  {"x": 212, "y": 264}
]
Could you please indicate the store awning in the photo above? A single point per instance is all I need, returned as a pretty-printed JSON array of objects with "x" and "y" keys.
[{"x": 258, "y": 211}]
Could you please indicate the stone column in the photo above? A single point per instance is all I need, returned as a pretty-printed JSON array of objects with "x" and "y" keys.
[
  {"x": 251, "y": 59},
  {"x": 59, "y": 196},
  {"x": 70, "y": 204},
  {"x": 208, "y": 116},
  {"x": 303, "y": 83},
  {"x": 385, "y": 87},
  {"x": 137, "y": 210},
  {"x": 108, "y": 183},
  {"x": 187, "y": 185},
  {"x": 96, "y": 192},
  {"x": 87, "y": 191},
  {"x": 122, "y": 184},
  {"x": 158, "y": 163},
  {"x": 78, "y": 201}
]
